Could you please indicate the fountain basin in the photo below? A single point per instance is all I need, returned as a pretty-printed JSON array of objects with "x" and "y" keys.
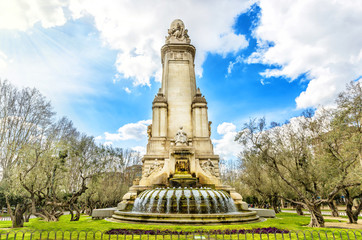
[{"x": 213, "y": 218}]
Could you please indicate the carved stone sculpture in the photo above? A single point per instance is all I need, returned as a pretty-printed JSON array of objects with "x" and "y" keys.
[
  {"x": 181, "y": 137},
  {"x": 210, "y": 128},
  {"x": 177, "y": 32},
  {"x": 149, "y": 131},
  {"x": 209, "y": 167},
  {"x": 155, "y": 167}
]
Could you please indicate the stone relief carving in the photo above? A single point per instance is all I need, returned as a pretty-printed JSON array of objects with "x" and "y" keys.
[
  {"x": 178, "y": 32},
  {"x": 210, "y": 128},
  {"x": 209, "y": 167},
  {"x": 149, "y": 131},
  {"x": 181, "y": 137},
  {"x": 155, "y": 167}
]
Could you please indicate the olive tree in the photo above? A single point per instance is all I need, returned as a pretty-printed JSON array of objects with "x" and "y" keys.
[
  {"x": 291, "y": 153},
  {"x": 22, "y": 113}
]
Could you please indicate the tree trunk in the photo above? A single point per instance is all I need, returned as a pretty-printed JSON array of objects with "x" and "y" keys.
[
  {"x": 71, "y": 214},
  {"x": 349, "y": 211},
  {"x": 75, "y": 217},
  {"x": 299, "y": 210},
  {"x": 316, "y": 217},
  {"x": 275, "y": 208},
  {"x": 274, "y": 203},
  {"x": 17, "y": 217},
  {"x": 352, "y": 215},
  {"x": 27, "y": 217},
  {"x": 49, "y": 216},
  {"x": 333, "y": 208},
  {"x": 358, "y": 209},
  {"x": 88, "y": 211}
]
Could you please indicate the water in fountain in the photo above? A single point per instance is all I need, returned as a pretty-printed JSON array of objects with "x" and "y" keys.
[
  {"x": 221, "y": 200},
  {"x": 206, "y": 200},
  {"x": 230, "y": 204},
  {"x": 145, "y": 200},
  {"x": 137, "y": 207},
  {"x": 178, "y": 194},
  {"x": 188, "y": 196},
  {"x": 197, "y": 197},
  {"x": 214, "y": 200},
  {"x": 160, "y": 197},
  {"x": 136, "y": 204},
  {"x": 169, "y": 198},
  {"x": 153, "y": 197}
]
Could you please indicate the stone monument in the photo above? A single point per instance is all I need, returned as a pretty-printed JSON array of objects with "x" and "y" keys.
[{"x": 180, "y": 153}]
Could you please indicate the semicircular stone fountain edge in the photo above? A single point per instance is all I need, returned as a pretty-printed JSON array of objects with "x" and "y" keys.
[{"x": 185, "y": 206}]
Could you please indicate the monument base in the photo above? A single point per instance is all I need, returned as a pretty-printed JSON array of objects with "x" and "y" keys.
[{"x": 237, "y": 217}]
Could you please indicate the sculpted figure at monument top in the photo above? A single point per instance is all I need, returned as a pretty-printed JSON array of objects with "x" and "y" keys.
[{"x": 177, "y": 32}]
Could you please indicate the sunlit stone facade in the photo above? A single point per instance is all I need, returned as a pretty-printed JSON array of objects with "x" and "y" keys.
[{"x": 179, "y": 149}]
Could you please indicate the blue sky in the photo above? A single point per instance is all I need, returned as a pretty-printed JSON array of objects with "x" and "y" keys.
[{"x": 99, "y": 63}]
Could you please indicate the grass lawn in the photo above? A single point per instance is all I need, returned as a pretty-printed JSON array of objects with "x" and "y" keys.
[{"x": 289, "y": 221}]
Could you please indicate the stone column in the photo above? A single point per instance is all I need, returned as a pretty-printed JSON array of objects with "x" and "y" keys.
[
  {"x": 199, "y": 115},
  {"x": 178, "y": 86},
  {"x": 159, "y": 116}
]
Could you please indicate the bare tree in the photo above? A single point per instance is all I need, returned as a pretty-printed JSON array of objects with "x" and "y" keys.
[
  {"x": 22, "y": 114},
  {"x": 106, "y": 189}
]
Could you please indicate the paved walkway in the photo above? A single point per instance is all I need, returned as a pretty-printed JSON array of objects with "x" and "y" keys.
[
  {"x": 9, "y": 219},
  {"x": 324, "y": 213},
  {"x": 342, "y": 223}
]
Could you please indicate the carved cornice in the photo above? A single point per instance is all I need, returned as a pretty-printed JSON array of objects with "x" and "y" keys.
[{"x": 177, "y": 48}]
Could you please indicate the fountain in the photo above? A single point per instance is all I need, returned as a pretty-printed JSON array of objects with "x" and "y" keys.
[{"x": 180, "y": 175}]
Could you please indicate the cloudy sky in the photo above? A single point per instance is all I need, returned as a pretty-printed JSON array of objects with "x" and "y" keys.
[{"x": 99, "y": 61}]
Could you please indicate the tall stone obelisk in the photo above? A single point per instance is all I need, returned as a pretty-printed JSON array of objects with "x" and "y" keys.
[{"x": 179, "y": 149}]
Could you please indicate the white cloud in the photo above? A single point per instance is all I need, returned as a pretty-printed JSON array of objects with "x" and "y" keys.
[
  {"x": 108, "y": 143},
  {"x": 127, "y": 90},
  {"x": 140, "y": 149},
  {"x": 238, "y": 59},
  {"x": 225, "y": 128},
  {"x": 3, "y": 61},
  {"x": 130, "y": 28},
  {"x": 98, "y": 138},
  {"x": 21, "y": 14},
  {"x": 58, "y": 74},
  {"x": 138, "y": 32},
  {"x": 319, "y": 38},
  {"x": 263, "y": 82},
  {"x": 129, "y": 131},
  {"x": 226, "y": 147}
]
